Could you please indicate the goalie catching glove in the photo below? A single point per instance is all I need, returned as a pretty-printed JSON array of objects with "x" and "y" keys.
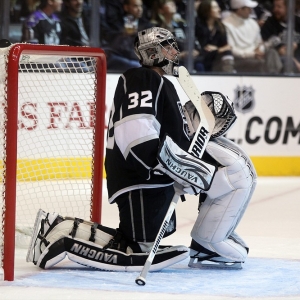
[
  {"x": 192, "y": 173},
  {"x": 221, "y": 107}
]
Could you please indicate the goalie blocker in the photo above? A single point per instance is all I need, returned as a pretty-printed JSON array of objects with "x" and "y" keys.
[
  {"x": 192, "y": 173},
  {"x": 90, "y": 244},
  {"x": 188, "y": 169}
]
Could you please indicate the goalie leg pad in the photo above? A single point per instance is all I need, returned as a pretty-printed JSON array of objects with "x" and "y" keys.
[
  {"x": 92, "y": 255},
  {"x": 239, "y": 172},
  {"x": 215, "y": 222},
  {"x": 226, "y": 201},
  {"x": 53, "y": 254},
  {"x": 95, "y": 246},
  {"x": 49, "y": 229},
  {"x": 44, "y": 223}
]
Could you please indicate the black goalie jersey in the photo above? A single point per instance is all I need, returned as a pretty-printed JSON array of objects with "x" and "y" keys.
[{"x": 146, "y": 107}]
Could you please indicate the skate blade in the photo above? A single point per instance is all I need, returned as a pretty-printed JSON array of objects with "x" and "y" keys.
[
  {"x": 206, "y": 264},
  {"x": 36, "y": 229}
]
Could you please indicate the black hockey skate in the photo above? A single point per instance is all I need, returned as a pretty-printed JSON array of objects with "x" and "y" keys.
[{"x": 203, "y": 258}]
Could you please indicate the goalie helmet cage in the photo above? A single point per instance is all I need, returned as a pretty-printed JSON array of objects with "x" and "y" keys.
[{"x": 77, "y": 81}]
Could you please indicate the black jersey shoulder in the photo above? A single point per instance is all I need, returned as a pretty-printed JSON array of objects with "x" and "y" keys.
[{"x": 142, "y": 73}]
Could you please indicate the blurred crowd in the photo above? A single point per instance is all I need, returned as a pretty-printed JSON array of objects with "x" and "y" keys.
[{"x": 231, "y": 36}]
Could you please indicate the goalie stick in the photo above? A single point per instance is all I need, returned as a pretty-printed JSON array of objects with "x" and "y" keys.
[
  {"x": 207, "y": 119},
  {"x": 197, "y": 147}
]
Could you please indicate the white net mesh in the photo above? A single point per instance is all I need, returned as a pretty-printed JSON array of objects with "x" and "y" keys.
[
  {"x": 3, "y": 58},
  {"x": 55, "y": 140}
]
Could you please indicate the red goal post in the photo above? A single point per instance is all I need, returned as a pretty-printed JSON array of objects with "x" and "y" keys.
[{"x": 69, "y": 135}]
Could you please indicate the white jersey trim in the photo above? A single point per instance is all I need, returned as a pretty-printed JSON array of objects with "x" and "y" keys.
[
  {"x": 136, "y": 187},
  {"x": 139, "y": 160},
  {"x": 124, "y": 83},
  {"x": 142, "y": 128},
  {"x": 158, "y": 94}
]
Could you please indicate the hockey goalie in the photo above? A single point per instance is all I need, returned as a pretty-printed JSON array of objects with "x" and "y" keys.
[{"x": 149, "y": 135}]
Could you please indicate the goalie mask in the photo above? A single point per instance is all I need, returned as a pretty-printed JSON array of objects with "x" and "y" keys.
[{"x": 157, "y": 47}]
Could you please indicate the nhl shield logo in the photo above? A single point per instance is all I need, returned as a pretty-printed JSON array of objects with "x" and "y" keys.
[{"x": 244, "y": 99}]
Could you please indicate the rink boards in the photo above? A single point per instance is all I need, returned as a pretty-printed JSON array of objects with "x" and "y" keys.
[{"x": 268, "y": 125}]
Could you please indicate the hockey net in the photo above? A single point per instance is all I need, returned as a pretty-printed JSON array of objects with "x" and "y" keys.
[{"x": 52, "y": 132}]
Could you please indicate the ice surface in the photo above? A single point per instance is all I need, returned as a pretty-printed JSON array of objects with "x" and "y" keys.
[{"x": 272, "y": 271}]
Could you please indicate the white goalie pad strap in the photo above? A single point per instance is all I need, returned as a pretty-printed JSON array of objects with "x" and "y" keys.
[
  {"x": 183, "y": 167},
  {"x": 56, "y": 248},
  {"x": 83, "y": 232}
]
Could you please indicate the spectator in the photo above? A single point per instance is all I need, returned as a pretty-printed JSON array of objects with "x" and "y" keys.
[
  {"x": 211, "y": 34},
  {"x": 274, "y": 33},
  {"x": 43, "y": 25},
  {"x": 111, "y": 20},
  {"x": 74, "y": 24},
  {"x": 196, "y": 4},
  {"x": 120, "y": 53},
  {"x": 225, "y": 8},
  {"x": 262, "y": 11},
  {"x": 182, "y": 7},
  {"x": 32, "y": 4},
  {"x": 243, "y": 34},
  {"x": 74, "y": 28},
  {"x": 259, "y": 13},
  {"x": 29, "y": 6},
  {"x": 164, "y": 14},
  {"x": 297, "y": 8},
  {"x": 147, "y": 9}
]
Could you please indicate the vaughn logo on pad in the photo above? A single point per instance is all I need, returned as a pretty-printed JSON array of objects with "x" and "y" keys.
[{"x": 185, "y": 166}]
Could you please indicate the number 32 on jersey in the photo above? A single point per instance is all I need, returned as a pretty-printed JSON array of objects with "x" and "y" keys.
[
  {"x": 144, "y": 101},
  {"x": 134, "y": 101}
]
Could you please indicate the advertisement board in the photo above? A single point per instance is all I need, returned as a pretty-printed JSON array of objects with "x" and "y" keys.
[
  {"x": 267, "y": 127},
  {"x": 268, "y": 123}
]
